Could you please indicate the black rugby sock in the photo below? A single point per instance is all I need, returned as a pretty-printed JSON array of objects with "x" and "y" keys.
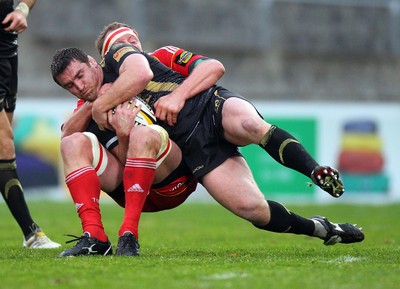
[
  {"x": 286, "y": 150},
  {"x": 284, "y": 221},
  {"x": 11, "y": 190}
]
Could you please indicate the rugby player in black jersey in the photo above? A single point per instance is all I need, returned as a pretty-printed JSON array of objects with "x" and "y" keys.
[
  {"x": 208, "y": 136},
  {"x": 172, "y": 184},
  {"x": 13, "y": 22}
]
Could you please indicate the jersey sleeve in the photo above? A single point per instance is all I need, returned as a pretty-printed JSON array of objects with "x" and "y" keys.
[
  {"x": 117, "y": 54},
  {"x": 79, "y": 104},
  {"x": 178, "y": 59},
  {"x": 106, "y": 137}
]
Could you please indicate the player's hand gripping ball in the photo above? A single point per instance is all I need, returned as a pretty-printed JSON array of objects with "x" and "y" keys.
[{"x": 146, "y": 115}]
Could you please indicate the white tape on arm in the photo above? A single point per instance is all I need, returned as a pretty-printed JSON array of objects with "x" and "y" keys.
[{"x": 23, "y": 7}]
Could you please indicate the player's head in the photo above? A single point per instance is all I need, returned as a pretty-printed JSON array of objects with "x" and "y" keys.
[
  {"x": 116, "y": 32},
  {"x": 62, "y": 59},
  {"x": 77, "y": 72}
]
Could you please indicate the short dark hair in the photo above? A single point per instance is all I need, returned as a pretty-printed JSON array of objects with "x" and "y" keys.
[{"x": 63, "y": 57}]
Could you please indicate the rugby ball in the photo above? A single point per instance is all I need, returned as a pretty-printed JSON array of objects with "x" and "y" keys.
[{"x": 146, "y": 115}]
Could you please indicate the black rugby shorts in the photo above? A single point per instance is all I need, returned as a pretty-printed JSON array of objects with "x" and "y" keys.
[
  {"x": 206, "y": 148},
  {"x": 8, "y": 83}
]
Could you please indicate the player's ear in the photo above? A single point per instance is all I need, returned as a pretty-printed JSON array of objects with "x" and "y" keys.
[{"x": 92, "y": 61}]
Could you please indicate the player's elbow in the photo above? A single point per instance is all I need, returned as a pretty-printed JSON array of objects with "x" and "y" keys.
[
  {"x": 143, "y": 77},
  {"x": 216, "y": 67},
  {"x": 148, "y": 76},
  {"x": 65, "y": 130},
  {"x": 219, "y": 67},
  {"x": 211, "y": 67}
]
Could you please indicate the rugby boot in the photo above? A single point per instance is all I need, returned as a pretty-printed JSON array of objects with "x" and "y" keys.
[
  {"x": 344, "y": 233},
  {"x": 128, "y": 245},
  {"x": 87, "y": 245},
  {"x": 38, "y": 240},
  {"x": 327, "y": 178}
]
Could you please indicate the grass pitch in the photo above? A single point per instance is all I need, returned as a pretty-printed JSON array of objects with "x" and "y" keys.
[{"x": 203, "y": 246}]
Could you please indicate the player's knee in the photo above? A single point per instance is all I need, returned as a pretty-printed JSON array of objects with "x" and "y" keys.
[
  {"x": 6, "y": 147},
  {"x": 253, "y": 125},
  {"x": 254, "y": 210},
  {"x": 245, "y": 127},
  {"x": 144, "y": 142},
  {"x": 72, "y": 145},
  {"x": 6, "y": 131}
]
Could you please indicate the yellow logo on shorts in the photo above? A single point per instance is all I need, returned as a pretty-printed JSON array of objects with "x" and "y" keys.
[
  {"x": 197, "y": 169},
  {"x": 217, "y": 103}
]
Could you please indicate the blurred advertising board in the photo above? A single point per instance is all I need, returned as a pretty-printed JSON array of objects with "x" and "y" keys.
[{"x": 361, "y": 140}]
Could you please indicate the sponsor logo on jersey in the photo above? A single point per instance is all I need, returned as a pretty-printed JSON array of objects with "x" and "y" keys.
[
  {"x": 184, "y": 58},
  {"x": 121, "y": 52}
]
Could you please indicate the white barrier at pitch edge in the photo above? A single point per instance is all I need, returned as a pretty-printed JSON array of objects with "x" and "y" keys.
[{"x": 330, "y": 119}]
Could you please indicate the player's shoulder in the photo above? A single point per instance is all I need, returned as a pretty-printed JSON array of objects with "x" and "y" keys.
[
  {"x": 117, "y": 47},
  {"x": 119, "y": 51},
  {"x": 166, "y": 51}
]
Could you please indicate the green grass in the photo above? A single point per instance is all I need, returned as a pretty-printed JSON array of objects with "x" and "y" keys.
[{"x": 203, "y": 246}]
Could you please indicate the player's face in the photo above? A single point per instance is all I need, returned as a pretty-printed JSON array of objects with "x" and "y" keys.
[
  {"x": 130, "y": 39},
  {"x": 81, "y": 79}
]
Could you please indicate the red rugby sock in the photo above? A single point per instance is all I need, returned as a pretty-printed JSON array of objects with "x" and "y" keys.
[
  {"x": 138, "y": 177},
  {"x": 84, "y": 187}
]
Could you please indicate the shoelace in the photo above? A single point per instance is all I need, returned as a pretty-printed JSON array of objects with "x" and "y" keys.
[
  {"x": 129, "y": 242},
  {"x": 75, "y": 238}
]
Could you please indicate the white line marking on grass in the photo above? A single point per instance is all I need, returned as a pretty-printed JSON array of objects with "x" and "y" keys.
[
  {"x": 226, "y": 276},
  {"x": 345, "y": 259}
]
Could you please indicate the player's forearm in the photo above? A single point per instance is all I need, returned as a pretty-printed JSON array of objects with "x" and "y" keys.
[
  {"x": 123, "y": 89},
  {"x": 204, "y": 76},
  {"x": 78, "y": 121},
  {"x": 134, "y": 75}
]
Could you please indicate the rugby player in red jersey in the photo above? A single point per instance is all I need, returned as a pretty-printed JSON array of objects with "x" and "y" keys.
[
  {"x": 103, "y": 159},
  {"x": 201, "y": 73},
  {"x": 204, "y": 72}
]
